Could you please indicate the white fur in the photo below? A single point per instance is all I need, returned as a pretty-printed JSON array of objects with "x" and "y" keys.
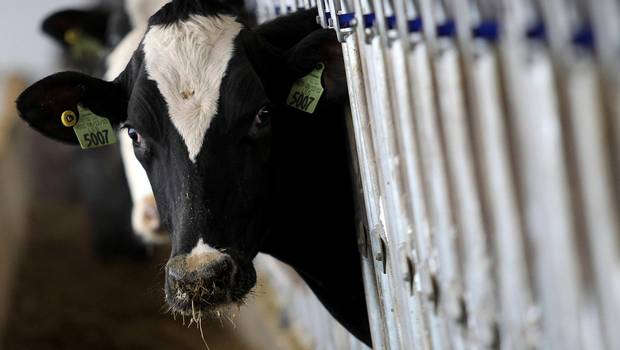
[
  {"x": 202, "y": 248},
  {"x": 139, "y": 185},
  {"x": 188, "y": 60}
]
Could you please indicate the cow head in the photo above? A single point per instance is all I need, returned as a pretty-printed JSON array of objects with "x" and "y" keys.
[{"x": 203, "y": 100}]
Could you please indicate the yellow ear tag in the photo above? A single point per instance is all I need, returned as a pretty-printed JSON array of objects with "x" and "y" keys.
[
  {"x": 83, "y": 46},
  {"x": 92, "y": 130},
  {"x": 68, "y": 119},
  {"x": 72, "y": 36},
  {"x": 307, "y": 91}
]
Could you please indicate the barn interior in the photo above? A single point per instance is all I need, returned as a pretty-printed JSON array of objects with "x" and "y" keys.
[{"x": 484, "y": 153}]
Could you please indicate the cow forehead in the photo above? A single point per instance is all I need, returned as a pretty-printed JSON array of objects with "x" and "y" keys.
[{"x": 187, "y": 60}]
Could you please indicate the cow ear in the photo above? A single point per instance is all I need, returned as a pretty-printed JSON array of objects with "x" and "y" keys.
[
  {"x": 286, "y": 31},
  {"x": 42, "y": 104},
  {"x": 66, "y": 26},
  {"x": 320, "y": 46}
]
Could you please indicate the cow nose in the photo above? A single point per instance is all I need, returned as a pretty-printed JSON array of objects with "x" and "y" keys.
[
  {"x": 151, "y": 216},
  {"x": 146, "y": 221},
  {"x": 195, "y": 279}
]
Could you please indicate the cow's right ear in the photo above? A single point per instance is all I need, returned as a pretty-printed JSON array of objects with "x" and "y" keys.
[{"x": 42, "y": 104}]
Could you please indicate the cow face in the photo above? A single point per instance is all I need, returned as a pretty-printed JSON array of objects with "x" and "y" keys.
[{"x": 203, "y": 100}]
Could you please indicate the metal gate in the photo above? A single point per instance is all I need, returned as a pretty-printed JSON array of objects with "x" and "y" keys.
[{"x": 487, "y": 136}]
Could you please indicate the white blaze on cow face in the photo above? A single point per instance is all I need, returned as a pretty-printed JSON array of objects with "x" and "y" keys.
[
  {"x": 201, "y": 256},
  {"x": 188, "y": 60},
  {"x": 202, "y": 248}
]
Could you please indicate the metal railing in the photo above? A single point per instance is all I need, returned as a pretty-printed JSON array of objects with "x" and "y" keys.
[{"x": 487, "y": 136}]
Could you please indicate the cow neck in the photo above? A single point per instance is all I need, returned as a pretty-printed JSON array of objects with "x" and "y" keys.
[
  {"x": 312, "y": 204},
  {"x": 313, "y": 226}
]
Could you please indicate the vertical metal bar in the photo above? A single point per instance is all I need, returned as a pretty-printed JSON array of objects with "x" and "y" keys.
[
  {"x": 497, "y": 193},
  {"x": 591, "y": 170},
  {"x": 408, "y": 196},
  {"x": 376, "y": 314},
  {"x": 369, "y": 170},
  {"x": 601, "y": 311},
  {"x": 544, "y": 193},
  {"x": 458, "y": 116},
  {"x": 605, "y": 14},
  {"x": 384, "y": 143},
  {"x": 443, "y": 65}
]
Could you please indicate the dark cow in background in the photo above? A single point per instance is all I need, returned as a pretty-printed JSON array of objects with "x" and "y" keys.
[
  {"x": 235, "y": 170},
  {"x": 88, "y": 34},
  {"x": 98, "y": 180}
]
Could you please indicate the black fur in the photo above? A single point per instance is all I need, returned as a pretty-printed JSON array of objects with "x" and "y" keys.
[{"x": 175, "y": 11}]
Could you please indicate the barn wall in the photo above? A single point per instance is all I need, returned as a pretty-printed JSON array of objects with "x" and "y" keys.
[{"x": 487, "y": 137}]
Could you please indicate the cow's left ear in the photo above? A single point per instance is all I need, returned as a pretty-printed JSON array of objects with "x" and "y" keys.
[
  {"x": 320, "y": 46},
  {"x": 42, "y": 104},
  {"x": 66, "y": 26}
]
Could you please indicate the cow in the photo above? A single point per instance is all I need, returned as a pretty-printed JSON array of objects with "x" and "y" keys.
[
  {"x": 86, "y": 36},
  {"x": 234, "y": 168},
  {"x": 116, "y": 29}
]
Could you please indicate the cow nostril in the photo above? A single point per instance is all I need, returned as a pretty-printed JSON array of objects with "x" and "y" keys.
[
  {"x": 176, "y": 268},
  {"x": 175, "y": 274}
]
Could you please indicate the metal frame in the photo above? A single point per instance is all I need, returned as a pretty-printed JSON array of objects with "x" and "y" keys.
[{"x": 487, "y": 159}]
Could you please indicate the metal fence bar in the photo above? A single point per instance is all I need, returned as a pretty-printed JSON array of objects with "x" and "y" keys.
[
  {"x": 404, "y": 48},
  {"x": 541, "y": 170},
  {"x": 605, "y": 23},
  {"x": 593, "y": 141},
  {"x": 365, "y": 159},
  {"x": 503, "y": 238},
  {"x": 375, "y": 71},
  {"x": 578, "y": 84},
  {"x": 387, "y": 62},
  {"x": 466, "y": 176}
]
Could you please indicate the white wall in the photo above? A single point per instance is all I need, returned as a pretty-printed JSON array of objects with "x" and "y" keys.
[{"x": 23, "y": 46}]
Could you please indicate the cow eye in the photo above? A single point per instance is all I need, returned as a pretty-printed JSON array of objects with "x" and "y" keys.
[
  {"x": 262, "y": 116},
  {"x": 261, "y": 125},
  {"x": 134, "y": 135}
]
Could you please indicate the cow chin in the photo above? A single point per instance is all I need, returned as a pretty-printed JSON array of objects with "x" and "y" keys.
[{"x": 203, "y": 285}]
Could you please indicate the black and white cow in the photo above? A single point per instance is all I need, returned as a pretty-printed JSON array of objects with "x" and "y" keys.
[{"x": 235, "y": 171}]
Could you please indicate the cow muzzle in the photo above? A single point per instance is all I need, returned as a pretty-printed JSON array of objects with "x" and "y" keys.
[
  {"x": 146, "y": 222},
  {"x": 201, "y": 284}
]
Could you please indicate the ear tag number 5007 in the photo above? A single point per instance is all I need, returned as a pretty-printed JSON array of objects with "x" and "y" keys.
[
  {"x": 307, "y": 91},
  {"x": 92, "y": 130}
]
